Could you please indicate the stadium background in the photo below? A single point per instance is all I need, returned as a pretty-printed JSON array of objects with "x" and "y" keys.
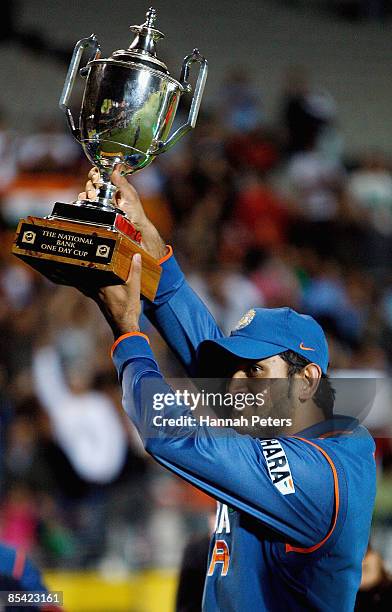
[{"x": 281, "y": 196}]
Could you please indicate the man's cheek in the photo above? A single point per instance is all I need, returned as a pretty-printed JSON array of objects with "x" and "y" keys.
[
  {"x": 247, "y": 412},
  {"x": 278, "y": 390},
  {"x": 275, "y": 396},
  {"x": 280, "y": 399}
]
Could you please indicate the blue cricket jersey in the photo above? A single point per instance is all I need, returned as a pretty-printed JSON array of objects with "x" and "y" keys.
[{"x": 294, "y": 513}]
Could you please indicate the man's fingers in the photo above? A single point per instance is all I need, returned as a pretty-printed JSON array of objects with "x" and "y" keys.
[
  {"x": 89, "y": 195},
  {"x": 135, "y": 272},
  {"x": 120, "y": 202},
  {"x": 117, "y": 179},
  {"x": 90, "y": 190},
  {"x": 93, "y": 183},
  {"x": 134, "y": 278},
  {"x": 94, "y": 174}
]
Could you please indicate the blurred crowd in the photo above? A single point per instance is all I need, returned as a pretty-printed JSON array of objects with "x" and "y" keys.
[{"x": 261, "y": 211}]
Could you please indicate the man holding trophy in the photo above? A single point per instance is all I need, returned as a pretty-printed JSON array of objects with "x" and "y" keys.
[
  {"x": 274, "y": 548},
  {"x": 294, "y": 511}
]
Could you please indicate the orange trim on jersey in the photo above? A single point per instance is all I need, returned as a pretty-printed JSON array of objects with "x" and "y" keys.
[
  {"x": 167, "y": 256},
  {"x": 330, "y": 434},
  {"x": 290, "y": 548},
  {"x": 19, "y": 563},
  {"x": 128, "y": 335}
]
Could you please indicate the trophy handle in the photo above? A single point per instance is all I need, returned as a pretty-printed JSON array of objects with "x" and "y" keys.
[
  {"x": 80, "y": 46},
  {"x": 193, "y": 58}
]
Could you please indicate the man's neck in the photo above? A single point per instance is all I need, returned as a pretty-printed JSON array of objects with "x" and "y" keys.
[{"x": 306, "y": 416}]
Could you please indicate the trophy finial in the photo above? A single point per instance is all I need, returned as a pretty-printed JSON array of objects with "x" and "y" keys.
[
  {"x": 151, "y": 16},
  {"x": 146, "y": 34}
]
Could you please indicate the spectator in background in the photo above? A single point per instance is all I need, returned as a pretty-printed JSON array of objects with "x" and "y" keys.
[
  {"x": 315, "y": 185},
  {"x": 242, "y": 105},
  {"x": 19, "y": 518},
  {"x": 375, "y": 592},
  {"x": 369, "y": 190},
  {"x": 49, "y": 149},
  {"x": 91, "y": 439},
  {"x": 277, "y": 281},
  {"x": 228, "y": 292},
  {"x": 6, "y": 417},
  {"x": 8, "y": 153},
  {"x": 257, "y": 150},
  {"x": 305, "y": 111},
  {"x": 85, "y": 421},
  {"x": 193, "y": 571},
  {"x": 45, "y": 163},
  {"x": 209, "y": 189},
  {"x": 261, "y": 212},
  {"x": 192, "y": 575},
  {"x": 346, "y": 300},
  {"x": 386, "y": 319}
]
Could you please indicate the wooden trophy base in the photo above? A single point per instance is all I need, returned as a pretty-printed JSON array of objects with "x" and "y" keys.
[{"x": 85, "y": 246}]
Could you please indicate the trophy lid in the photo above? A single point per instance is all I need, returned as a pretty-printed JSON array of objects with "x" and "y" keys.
[{"x": 143, "y": 49}]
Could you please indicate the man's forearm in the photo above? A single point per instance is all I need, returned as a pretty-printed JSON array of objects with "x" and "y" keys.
[
  {"x": 180, "y": 316},
  {"x": 152, "y": 241}
]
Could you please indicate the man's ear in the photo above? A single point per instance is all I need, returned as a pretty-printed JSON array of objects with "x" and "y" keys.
[{"x": 310, "y": 380}]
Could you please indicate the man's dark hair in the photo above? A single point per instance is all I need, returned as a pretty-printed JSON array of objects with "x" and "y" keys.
[{"x": 324, "y": 397}]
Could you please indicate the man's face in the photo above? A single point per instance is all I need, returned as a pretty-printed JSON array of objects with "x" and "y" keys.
[{"x": 268, "y": 377}]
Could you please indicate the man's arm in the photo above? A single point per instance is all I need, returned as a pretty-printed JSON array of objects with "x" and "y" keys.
[
  {"x": 231, "y": 467},
  {"x": 177, "y": 312},
  {"x": 180, "y": 316}
]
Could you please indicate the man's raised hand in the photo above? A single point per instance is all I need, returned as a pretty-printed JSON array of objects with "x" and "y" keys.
[{"x": 127, "y": 199}]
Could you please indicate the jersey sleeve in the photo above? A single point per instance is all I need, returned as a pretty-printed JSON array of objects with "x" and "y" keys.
[
  {"x": 180, "y": 316},
  {"x": 288, "y": 484}
]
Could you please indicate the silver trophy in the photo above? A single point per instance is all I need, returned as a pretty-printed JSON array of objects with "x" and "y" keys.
[
  {"x": 128, "y": 108},
  {"x": 129, "y": 103}
]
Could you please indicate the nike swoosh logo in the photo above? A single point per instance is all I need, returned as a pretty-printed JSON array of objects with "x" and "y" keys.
[{"x": 306, "y": 348}]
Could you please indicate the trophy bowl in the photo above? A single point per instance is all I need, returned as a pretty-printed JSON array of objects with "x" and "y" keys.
[
  {"x": 127, "y": 109},
  {"x": 129, "y": 103}
]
